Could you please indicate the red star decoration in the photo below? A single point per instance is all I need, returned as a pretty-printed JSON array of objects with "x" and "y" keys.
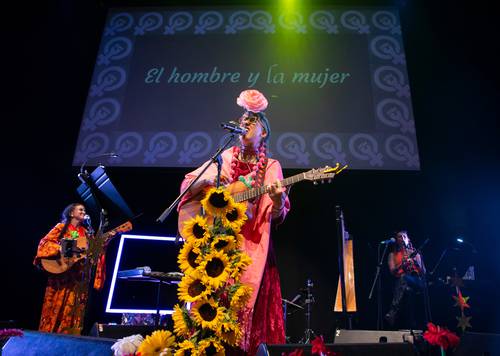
[{"x": 461, "y": 301}]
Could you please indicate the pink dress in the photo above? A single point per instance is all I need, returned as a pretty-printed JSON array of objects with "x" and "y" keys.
[{"x": 263, "y": 320}]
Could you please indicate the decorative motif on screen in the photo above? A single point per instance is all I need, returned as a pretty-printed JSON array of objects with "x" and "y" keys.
[{"x": 394, "y": 147}]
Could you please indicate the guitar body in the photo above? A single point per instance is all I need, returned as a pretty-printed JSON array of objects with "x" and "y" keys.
[
  {"x": 192, "y": 207},
  {"x": 62, "y": 264}
]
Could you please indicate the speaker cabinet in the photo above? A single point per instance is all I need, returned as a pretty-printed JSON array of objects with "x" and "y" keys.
[
  {"x": 373, "y": 336},
  {"x": 399, "y": 349},
  {"x": 35, "y": 343}
]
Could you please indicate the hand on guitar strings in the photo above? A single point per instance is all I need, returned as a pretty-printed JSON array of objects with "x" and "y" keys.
[{"x": 277, "y": 194}]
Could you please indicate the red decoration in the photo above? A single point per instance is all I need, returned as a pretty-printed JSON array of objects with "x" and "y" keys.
[
  {"x": 318, "y": 345},
  {"x": 318, "y": 348},
  {"x": 296, "y": 352},
  {"x": 461, "y": 301},
  {"x": 442, "y": 337},
  {"x": 5, "y": 333}
]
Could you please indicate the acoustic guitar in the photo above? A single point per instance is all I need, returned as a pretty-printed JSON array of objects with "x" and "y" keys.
[
  {"x": 78, "y": 251},
  {"x": 240, "y": 193}
]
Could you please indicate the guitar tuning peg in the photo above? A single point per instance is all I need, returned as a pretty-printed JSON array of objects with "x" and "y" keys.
[
  {"x": 315, "y": 183},
  {"x": 329, "y": 180},
  {"x": 322, "y": 181}
]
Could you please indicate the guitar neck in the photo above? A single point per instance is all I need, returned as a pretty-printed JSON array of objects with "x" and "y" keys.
[{"x": 255, "y": 192}]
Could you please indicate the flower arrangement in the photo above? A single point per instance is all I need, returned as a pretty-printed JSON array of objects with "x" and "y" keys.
[
  {"x": 440, "y": 336},
  {"x": 212, "y": 262},
  {"x": 211, "y": 293}
]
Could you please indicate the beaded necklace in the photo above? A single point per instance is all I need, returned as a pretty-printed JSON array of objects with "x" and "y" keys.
[{"x": 258, "y": 171}]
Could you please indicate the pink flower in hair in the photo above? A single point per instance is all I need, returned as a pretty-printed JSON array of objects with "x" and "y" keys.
[{"x": 252, "y": 100}]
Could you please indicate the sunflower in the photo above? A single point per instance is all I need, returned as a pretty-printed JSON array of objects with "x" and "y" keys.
[
  {"x": 192, "y": 287},
  {"x": 182, "y": 322},
  {"x": 240, "y": 296},
  {"x": 235, "y": 218},
  {"x": 185, "y": 348},
  {"x": 196, "y": 229},
  {"x": 216, "y": 267},
  {"x": 240, "y": 262},
  {"x": 211, "y": 346},
  {"x": 188, "y": 257},
  {"x": 207, "y": 313},
  {"x": 239, "y": 240},
  {"x": 230, "y": 333},
  {"x": 217, "y": 202},
  {"x": 156, "y": 343},
  {"x": 224, "y": 243}
]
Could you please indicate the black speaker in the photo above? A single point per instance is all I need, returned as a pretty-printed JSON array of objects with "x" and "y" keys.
[
  {"x": 113, "y": 331},
  {"x": 35, "y": 343},
  {"x": 401, "y": 349},
  {"x": 478, "y": 344}
]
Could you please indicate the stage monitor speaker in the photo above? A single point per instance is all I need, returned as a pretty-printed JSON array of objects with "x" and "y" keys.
[
  {"x": 373, "y": 336},
  {"x": 114, "y": 331},
  {"x": 402, "y": 349},
  {"x": 35, "y": 343},
  {"x": 478, "y": 344}
]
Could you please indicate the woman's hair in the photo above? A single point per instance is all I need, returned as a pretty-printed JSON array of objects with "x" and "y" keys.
[
  {"x": 265, "y": 122},
  {"x": 66, "y": 217},
  {"x": 66, "y": 214}
]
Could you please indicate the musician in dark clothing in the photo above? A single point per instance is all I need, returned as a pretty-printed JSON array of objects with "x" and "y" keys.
[{"x": 405, "y": 263}]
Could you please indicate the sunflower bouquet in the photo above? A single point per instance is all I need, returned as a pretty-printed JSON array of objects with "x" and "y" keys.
[{"x": 211, "y": 292}]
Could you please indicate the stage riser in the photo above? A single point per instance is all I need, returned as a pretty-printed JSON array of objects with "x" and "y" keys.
[
  {"x": 35, "y": 343},
  {"x": 402, "y": 349},
  {"x": 478, "y": 344}
]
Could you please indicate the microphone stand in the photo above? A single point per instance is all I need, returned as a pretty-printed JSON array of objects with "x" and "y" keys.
[
  {"x": 217, "y": 159},
  {"x": 377, "y": 281}
]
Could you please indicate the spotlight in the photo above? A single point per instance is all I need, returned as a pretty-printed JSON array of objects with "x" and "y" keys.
[{"x": 461, "y": 241}]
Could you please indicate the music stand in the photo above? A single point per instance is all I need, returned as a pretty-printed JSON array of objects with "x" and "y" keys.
[
  {"x": 101, "y": 197},
  {"x": 102, "y": 201}
]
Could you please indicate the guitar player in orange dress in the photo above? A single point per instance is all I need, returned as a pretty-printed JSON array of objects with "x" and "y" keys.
[
  {"x": 248, "y": 162},
  {"x": 60, "y": 313}
]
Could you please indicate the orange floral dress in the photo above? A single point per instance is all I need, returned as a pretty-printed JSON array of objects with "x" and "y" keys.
[{"x": 66, "y": 295}]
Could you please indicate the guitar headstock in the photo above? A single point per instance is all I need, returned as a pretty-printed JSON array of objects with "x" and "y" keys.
[{"x": 325, "y": 173}]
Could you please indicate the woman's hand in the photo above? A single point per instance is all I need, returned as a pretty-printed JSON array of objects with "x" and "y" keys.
[{"x": 277, "y": 194}]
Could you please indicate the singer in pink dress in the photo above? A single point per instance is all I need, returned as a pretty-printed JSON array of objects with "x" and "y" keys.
[{"x": 262, "y": 320}]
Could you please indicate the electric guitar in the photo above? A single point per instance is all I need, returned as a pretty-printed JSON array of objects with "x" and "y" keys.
[
  {"x": 240, "y": 193},
  {"x": 78, "y": 251}
]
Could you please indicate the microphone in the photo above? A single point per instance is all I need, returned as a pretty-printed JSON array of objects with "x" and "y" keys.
[
  {"x": 388, "y": 241},
  {"x": 86, "y": 220},
  {"x": 234, "y": 127}
]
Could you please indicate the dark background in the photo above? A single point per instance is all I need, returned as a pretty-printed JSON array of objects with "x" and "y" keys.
[{"x": 452, "y": 64}]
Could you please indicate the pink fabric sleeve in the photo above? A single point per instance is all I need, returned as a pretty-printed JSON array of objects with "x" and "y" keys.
[{"x": 274, "y": 172}]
